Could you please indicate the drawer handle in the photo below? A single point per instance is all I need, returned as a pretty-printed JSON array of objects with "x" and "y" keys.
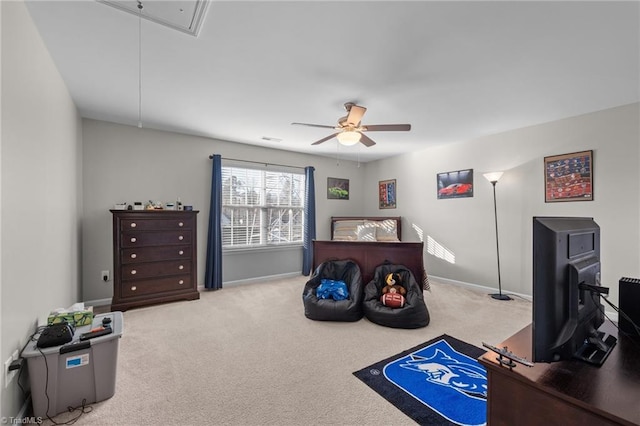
[
  {"x": 133, "y": 255},
  {"x": 181, "y": 238},
  {"x": 133, "y": 239},
  {"x": 180, "y": 224},
  {"x": 134, "y": 288},
  {"x": 181, "y": 282},
  {"x": 181, "y": 267},
  {"x": 181, "y": 252},
  {"x": 133, "y": 224},
  {"x": 133, "y": 272}
]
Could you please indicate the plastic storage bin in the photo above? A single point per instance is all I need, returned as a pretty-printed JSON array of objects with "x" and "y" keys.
[{"x": 65, "y": 376}]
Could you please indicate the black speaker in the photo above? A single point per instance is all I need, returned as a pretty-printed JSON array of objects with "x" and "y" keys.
[{"x": 629, "y": 303}]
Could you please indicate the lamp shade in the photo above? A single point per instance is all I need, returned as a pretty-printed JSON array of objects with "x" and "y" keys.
[
  {"x": 493, "y": 176},
  {"x": 349, "y": 137}
]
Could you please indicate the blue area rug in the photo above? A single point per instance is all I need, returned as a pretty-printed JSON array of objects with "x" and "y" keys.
[{"x": 436, "y": 383}]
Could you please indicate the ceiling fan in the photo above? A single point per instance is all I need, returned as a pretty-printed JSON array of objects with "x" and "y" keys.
[{"x": 350, "y": 131}]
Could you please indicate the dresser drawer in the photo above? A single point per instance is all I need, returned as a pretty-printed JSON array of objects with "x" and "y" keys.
[
  {"x": 149, "y": 254},
  {"x": 155, "y": 269},
  {"x": 146, "y": 224},
  {"x": 155, "y": 238},
  {"x": 155, "y": 286}
]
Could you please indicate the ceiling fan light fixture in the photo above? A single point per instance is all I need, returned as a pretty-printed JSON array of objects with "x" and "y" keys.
[{"x": 349, "y": 137}]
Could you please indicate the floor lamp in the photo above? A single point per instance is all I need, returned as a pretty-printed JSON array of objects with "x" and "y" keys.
[{"x": 493, "y": 178}]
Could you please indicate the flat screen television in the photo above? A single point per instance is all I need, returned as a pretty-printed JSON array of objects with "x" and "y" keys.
[{"x": 567, "y": 311}]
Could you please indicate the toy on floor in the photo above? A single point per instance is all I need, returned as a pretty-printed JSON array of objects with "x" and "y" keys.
[{"x": 393, "y": 292}]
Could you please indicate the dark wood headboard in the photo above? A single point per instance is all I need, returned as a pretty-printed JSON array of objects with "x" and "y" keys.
[
  {"x": 369, "y": 255},
  {"x": 398, "y": 220}
]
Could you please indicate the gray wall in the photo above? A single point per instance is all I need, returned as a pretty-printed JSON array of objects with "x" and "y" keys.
[
  {"x": 466, "y": 226},
  {"x": 59, "y": 176},
  {"x": 127, "y": 164},
  {"x": 123, "y": 163},
  {"x": 40, "y": 178}
]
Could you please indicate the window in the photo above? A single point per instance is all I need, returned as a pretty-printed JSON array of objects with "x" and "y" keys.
[{"x": 261, "y": 207}]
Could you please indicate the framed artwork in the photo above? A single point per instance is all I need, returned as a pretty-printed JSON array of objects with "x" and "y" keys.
[
  {"x": 337, "y": 189},
  {"x": 387, "y": 194},
  {"x": 568, "y": 177},
  {"x": 456, "y": 184}
]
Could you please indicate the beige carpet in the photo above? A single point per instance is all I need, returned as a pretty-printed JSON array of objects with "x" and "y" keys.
[{"x": 247, "y": 355}]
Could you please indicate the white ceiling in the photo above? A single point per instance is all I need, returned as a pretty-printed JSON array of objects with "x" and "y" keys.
[{"x": 453, "y": 70}]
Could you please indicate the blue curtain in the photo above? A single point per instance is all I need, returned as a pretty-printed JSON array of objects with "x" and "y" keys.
[
  {"x": 213, "y": 272},
  {"x": 309, "y": 220}
]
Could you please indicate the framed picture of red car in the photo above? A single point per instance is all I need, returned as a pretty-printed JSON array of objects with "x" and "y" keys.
[
  {"x": 568, "y": 177},
  {"x": 456, "y": 184},
  {"x": 387, "y": 194}
]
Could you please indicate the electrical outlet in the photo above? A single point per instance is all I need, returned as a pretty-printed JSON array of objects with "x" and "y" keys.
[
  {"x": 8, "y": 375},
  {"x": 105, "y": 276}
]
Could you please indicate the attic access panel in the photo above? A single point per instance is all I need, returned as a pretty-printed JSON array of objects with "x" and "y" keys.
[{"x": 183, "y": 15}]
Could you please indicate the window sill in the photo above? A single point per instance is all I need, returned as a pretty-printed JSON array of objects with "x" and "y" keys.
[{"x": 272, "y": 247}]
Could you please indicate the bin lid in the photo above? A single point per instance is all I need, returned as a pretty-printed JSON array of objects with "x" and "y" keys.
[{"x": 31, "y": 350}]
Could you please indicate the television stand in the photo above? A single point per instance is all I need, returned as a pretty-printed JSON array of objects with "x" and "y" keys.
[
  {"x": 564, "y": 393},
  {"x": 596, "y": 349}
]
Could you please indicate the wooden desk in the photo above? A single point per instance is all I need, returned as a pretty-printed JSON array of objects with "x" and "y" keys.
[{"x": 566, "y": 392}]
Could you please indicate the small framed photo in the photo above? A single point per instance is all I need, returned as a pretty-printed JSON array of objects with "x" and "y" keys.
[
  {"x": 456, "y": 184},
  {"x": 568, "y": 177},
  {"x": 337, "y": 189},
  {"x": 387, "y": 194}
]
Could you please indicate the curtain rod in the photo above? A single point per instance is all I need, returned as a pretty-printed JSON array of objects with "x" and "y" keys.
[{"x": 258, "y": 162}]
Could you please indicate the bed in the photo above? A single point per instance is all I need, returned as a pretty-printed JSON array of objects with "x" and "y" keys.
[{"x": 371, "y": 241}]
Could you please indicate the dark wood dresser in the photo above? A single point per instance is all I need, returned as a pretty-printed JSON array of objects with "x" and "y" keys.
[{"x": 154, "y": 257}]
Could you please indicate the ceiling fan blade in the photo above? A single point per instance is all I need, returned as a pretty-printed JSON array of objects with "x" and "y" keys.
[
  {"x": 366, "y": 140},
  {"x": 325, "y": 139},
  {"x": 314, "y": 125},
  {"x": 388, "y": 128},
  {"x": 355, "y": 115}
]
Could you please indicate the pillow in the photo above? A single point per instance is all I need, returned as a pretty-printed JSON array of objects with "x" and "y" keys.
[
  {"x": 346, "y": 230},
  {"x": 386, "y": 230},
  {"x": 367, "y": 231}
]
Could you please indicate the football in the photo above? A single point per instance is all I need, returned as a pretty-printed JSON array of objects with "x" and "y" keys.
[{"x": 392, "y": 300}]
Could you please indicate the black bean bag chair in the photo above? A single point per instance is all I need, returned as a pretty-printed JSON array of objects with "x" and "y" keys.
[
  {"x": 414, "y": 314},
  {"x": 349, "y": 309}
]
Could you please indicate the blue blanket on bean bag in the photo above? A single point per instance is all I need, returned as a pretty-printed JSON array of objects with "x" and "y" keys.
[{"x": 332, "y": 289}]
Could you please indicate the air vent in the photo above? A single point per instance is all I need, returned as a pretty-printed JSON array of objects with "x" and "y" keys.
[
  {"x": 268, "y": 139},
  {"x": 185, "y": 15}
]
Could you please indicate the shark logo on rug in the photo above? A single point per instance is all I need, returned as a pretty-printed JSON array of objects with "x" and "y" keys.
[
  {"x": 448, "y": 382},
  {"x": 444, "y": 370}
]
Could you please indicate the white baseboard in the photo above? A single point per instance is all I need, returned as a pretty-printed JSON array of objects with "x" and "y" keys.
[
  {"x": 613, "y": 316},
  {"x": 103, "y": 302},
  {"x": 98, "y": 302},
  {"x": 25, "y": 409},
  {"x": 256, "y": 279},
  {"x": 478, "y": 287}
]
